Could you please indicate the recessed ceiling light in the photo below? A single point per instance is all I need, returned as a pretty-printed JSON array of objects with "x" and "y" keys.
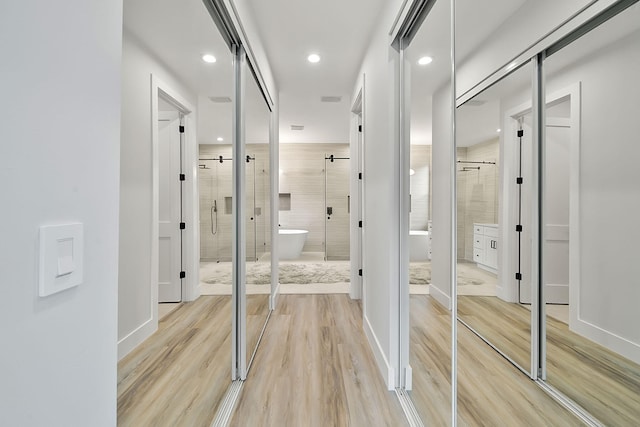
[
  {"x": 498, "y": 130},
  {"x": 208, "y": 58},
  {"x": 412, "y": 172},
  {"x": 313, "y": 58},
  {"x": 220, "y": 139},
  {"x": 425, "y": 60},
  {"x": 511, "y": 66}
]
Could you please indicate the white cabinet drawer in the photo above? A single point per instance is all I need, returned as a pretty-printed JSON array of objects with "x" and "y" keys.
[
  {"x": 478, "y": 255},
  {"x": 491, "y": 232},
  {"x": 478, "y": 241},
  {"x": 478, "y": 229}
]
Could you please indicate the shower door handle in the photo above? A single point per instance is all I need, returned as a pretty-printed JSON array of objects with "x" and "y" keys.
[
  {"x": 329, "y": 210},
  {"x": 212, "y": 211}
]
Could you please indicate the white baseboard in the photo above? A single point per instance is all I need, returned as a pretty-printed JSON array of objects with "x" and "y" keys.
[
  {"x": 136, "y": 337},
  {"x": 506, "y": 294},
  {"x": 608, "y": 339},
  {"x": 441, "y": 297},
  {"x": 556, "y": 293},
  {"x": 385, "y": 368},
  {"x": 195, "y": 294},
  {"x": 355, "y": 287}
]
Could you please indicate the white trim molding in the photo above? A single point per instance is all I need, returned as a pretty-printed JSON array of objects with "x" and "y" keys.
[
  {"x": 384, "y": 366},
  {"x": 190, "y": 289}
]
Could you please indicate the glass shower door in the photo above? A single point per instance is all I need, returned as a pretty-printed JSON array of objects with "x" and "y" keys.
[
  {"x": 250, "y": 173},
  {"x": 337, "y": 198},
  {"x": 215, "y": 210}
]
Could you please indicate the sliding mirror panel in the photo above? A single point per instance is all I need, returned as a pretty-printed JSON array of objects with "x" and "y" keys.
[
  {"x": 176, "y": 49},
  {"x": 591, "y": 203},
  {"x": 257, "y": 196},
  {"x": 428, "y": 106},
  {"x": 494, "y": 150}
]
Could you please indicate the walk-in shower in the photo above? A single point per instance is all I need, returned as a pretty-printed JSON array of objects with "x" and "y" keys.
[
  {"x": 215, "y": 167},
  {"x": 337, "y": 209}
]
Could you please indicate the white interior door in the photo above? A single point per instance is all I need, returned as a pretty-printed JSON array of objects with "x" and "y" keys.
[
  {"x": 170, "y": 245},
  {"x": 556, "y": 203},
  {"x": 556, "y": 251},
  {"x": 360, "y": 243},
  {"x": 524, "y": 262}
]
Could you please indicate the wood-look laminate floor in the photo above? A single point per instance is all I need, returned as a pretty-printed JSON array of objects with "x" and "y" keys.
[
  {"x": 491, "y": 391},
  {"x": 314, "y": 367},
  {"x": 599, "y": 380},
  {"x": 179, "y": 375}
]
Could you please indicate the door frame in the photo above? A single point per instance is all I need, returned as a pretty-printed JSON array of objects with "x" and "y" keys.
[
  {"x": 509, "y": 218},
  {"x": 170, "y": 228},
  {"x": 509, "y": 154},
  {"x": 190, "y": 236},
  {"x": 356, "y": 153}
]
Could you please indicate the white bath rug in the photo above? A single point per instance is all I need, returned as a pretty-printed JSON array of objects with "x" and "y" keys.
[{"x": 259, "y": 273}]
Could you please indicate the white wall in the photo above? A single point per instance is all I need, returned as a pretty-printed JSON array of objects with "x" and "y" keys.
[
  {"x": 603, "y": 299},
  {"x": 135, "y": 312},
  {"x": 60, "y": 78},
  {"x": 533, "y": 20},
  {"x": 381, "y": 185},
  {"x": 609, "y": 194}
]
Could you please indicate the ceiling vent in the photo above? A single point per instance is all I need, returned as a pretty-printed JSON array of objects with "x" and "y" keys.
[
  {"x": 475, "y": 102},
  {"x": 220, "y": 99},
  {"x": 297, "y": 127},
  {"x": 331, "y": 99}
]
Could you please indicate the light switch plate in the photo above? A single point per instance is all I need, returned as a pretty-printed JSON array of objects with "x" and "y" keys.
[{"x": 61, "y": 257}]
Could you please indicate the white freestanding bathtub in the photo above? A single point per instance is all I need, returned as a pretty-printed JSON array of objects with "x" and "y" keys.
[
  {"x": 291, "y": 242},
  {"x": 418, "y": 245}
]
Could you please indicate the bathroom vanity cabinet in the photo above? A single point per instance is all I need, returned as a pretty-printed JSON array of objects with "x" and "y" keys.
[{"x": 485, "y": 246}]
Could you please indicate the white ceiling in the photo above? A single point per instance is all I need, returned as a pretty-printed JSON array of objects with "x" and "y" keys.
[
  {"x": 475, "y": 21},
  {"x": 339, "y": 31},
  {"x": 178, "y": 33}
]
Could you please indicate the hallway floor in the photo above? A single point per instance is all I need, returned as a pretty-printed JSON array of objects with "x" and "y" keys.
[
  {"x": 588, "y": 373},
  {"x": 314, "y": 367},
  {"x": 179, "y": 375},
  {"x": 491, "y": 391}
]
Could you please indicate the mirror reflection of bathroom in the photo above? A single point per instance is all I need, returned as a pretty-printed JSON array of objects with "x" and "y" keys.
[
  {"x": 491, "y": 204},
  {"x": 257, "y": 213},
  {"x": 216, "y": 204},
  {"x": 428, "y": 78},
  {"x": 314, "y": 212}
]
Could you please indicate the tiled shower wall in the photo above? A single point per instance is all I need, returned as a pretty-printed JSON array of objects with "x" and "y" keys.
[
  {"x": 303, "y": 178},
  {"x": 477, "y": 192},
  {"x": 215, "y": 185},
  {"x": 420, "y": 187}
]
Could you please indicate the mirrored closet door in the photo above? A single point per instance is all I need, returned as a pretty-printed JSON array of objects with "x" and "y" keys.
[
  {"x": 494, "y": 157},
  {"x": 425, "y": 55},
  {"x": 590, "y": 204},
  {"x": 257, "y": 212}
]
